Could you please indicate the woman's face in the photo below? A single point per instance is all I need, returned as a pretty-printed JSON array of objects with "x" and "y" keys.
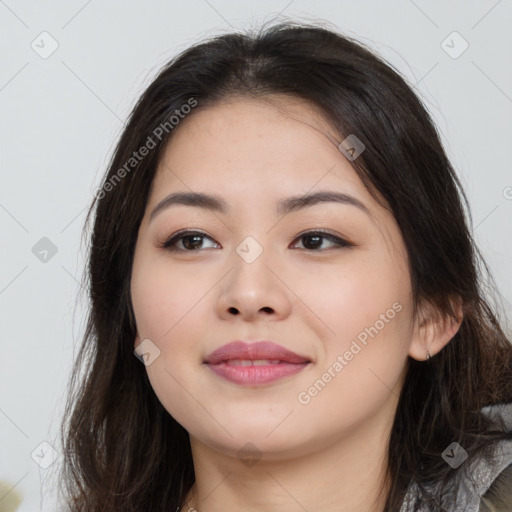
[{"x": 258, "y": 269}]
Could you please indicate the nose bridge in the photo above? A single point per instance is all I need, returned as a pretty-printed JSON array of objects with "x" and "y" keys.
[
  {"x": 252, "y": 288},
  {"x": 251, "y": 276}
]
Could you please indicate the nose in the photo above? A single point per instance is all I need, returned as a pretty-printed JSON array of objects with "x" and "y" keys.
[{"x": 253, "y": 291}]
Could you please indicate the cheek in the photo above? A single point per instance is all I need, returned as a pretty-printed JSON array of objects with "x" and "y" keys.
[
  {"x": 163, "y": 298},
  {"x": 171, "y": 305},
  {"x": 365, "y": 309},
  {"x": 362, "y": 372},
  {"x": 166, "y": 305},
  {"x": 351, "y": 295}
]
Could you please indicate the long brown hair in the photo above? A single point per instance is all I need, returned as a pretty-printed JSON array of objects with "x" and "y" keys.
[{"x": 123, "y": 450}]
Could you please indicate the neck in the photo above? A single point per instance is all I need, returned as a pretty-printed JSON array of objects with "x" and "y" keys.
[{"x": 344, "y": 474}]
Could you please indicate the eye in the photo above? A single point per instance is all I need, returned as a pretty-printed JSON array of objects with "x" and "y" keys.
[
  {"x": 190, "y": 241},
  {"x": 186, "y": 241},
  {"x": 314, "y": 241}
]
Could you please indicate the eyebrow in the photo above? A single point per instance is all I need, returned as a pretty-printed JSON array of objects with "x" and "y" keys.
[{"x": 285, "y": 206}]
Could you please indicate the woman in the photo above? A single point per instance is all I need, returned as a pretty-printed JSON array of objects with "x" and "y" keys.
[{"x": 281, "y": 240}]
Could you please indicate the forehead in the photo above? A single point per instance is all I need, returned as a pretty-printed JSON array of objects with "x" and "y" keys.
[{"x": 261, "y": 143}]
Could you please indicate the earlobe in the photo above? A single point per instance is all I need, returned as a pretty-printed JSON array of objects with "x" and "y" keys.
[{"x": 433, "y": 331}]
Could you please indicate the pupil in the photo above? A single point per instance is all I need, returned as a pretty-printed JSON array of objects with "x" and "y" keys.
[
  {"x": 313, "y": 245},
  {"x": 197, "y": 239}
]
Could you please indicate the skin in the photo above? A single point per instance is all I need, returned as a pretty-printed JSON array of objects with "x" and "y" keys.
[{"x": 328, "y": 454}]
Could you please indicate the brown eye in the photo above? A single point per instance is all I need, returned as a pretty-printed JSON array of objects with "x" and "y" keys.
[
  {"x": 187, "y": 241},
  {"x": 315, "y": 241},
  {"x": 192, "y": 242}
]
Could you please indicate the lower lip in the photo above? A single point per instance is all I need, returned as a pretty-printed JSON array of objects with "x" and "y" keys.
[{"x": 253, "y": 375}]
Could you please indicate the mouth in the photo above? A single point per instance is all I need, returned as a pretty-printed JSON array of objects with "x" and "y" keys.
[{"x": 252, "y": 364}]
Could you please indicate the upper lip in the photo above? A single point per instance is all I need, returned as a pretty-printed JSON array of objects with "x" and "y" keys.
[{"x": 253, "y": 351}]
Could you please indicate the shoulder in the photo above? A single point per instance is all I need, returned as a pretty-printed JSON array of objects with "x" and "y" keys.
[
  {"x": 484, "y": 485},
  {"x": 488, "y": 482},
  {"x": 498, "y": 498}
]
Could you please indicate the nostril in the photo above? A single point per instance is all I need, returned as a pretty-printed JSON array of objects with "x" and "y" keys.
[
  {"x": 267, "y": 309},
  {"x": 234, "y": 311}
]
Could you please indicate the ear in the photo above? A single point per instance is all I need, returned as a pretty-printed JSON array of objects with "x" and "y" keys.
[{"x": 433, "y": 331}]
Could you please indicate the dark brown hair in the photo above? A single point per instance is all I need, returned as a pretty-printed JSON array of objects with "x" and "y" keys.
[{"x": 123, "y": 450}]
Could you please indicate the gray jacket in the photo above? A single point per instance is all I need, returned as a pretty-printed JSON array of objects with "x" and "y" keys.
[{"x": 485, "y": 485}]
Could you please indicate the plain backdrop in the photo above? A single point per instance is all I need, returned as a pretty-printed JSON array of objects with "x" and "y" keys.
[{"x": 70, "y": 74}]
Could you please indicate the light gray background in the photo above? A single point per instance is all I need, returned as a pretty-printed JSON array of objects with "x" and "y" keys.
[{"x": 61, "y": 115}]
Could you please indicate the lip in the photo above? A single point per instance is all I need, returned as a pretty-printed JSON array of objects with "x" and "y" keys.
[
  {"x": 253, "y": 351},
  {"x": 226, "y": 362}
]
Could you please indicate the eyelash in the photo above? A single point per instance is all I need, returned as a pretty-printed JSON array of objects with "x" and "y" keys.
[{"x": 170, "y": 243}]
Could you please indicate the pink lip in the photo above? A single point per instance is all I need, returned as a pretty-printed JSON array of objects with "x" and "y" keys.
[{"x": 289, "y": 362}]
